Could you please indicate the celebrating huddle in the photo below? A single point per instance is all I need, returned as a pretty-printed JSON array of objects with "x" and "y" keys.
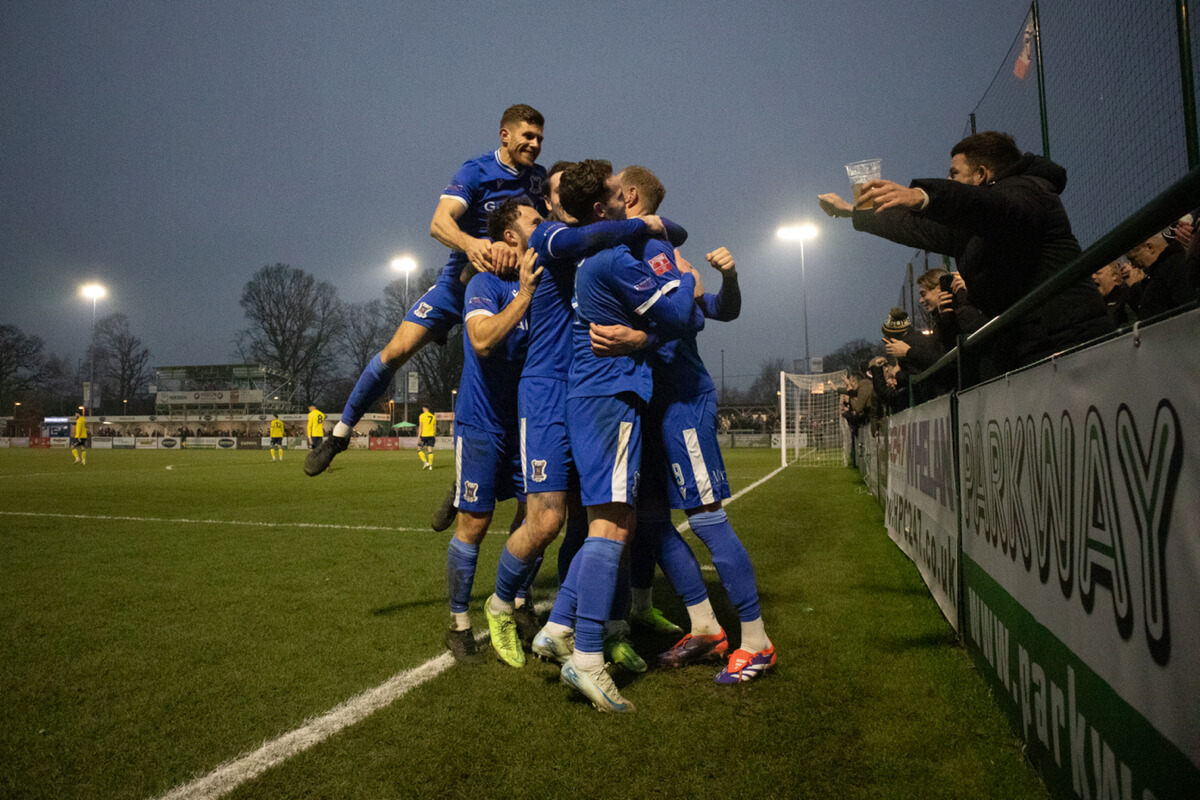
[{"x": 583, "y": 395}]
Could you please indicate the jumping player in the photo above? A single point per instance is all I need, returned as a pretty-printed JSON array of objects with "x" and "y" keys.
[{"x": 459, "y": 222}]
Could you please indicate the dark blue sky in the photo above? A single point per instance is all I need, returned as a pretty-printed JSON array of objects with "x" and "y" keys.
[{"x": 169, "y": 150}]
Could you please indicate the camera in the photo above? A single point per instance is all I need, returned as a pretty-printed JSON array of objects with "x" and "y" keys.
[{"x": 944, "y": 283}]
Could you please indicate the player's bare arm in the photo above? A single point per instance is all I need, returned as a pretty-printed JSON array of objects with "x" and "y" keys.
[
  {"x": 685, "y": 266},
  {"x": 444, "y": 228},
  {"x": 486, "y": 333}
]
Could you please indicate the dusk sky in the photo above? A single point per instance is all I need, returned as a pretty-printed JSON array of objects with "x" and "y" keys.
[{"x": 170, "y": 149}]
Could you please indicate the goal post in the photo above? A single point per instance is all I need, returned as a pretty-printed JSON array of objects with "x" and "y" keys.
[{"x": 811, "y": 429}]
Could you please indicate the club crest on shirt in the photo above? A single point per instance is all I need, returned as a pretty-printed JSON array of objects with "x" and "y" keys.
[
  {"x": 660, "y": 264},
  {"x": 535, "y": 184},
  {"x": 538, "y": 470},
  {"x": 470, "y": 492},
  {"x": 644, "y": 285}
]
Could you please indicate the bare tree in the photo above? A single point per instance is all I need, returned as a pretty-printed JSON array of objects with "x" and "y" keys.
[
  {"x": 122, "y": 364},
  {"x": 364, "y": 334},
  {"x": 766, "y": 385},
  {"x": 851, "y": 354},
  {"x": 21, "y": 364},
  {"x": 294, "y": 326}
]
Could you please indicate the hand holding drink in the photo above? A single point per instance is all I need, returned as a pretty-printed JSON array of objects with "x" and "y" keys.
[{"x": 862, "y": 172}]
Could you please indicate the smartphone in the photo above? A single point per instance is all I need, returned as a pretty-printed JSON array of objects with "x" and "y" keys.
[{"x": 945, "y": 282}]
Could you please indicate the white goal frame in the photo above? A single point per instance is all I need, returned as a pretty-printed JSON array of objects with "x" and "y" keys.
[{"x": 811, "y": 429}]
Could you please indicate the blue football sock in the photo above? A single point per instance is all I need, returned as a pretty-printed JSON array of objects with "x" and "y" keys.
[
  {"x": 530, "y": 577},
  {"x": 461, "y": 559},
  {"x": 731, "y": 560},
  {"x": 679, "y": 564},
  {"x": 577, "y": 528},
  {"x": 510, "y": 575},
  {"x": 371, "y": 386},
  {"x": 565, "y": 602},
  {"x": 599, "y": 560},
  {"x": 622, "y": 597},
  {"x": 643, "y": 548}
]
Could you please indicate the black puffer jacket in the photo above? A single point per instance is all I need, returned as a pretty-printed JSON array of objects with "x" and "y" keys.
[{"x": 1007, "y": 237}]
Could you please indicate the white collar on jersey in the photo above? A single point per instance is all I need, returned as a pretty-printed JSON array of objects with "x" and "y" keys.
[{"x": 504, "y": 166}]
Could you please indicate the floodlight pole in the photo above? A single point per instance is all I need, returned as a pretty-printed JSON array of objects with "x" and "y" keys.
[
  {"x": 92, "y": 359},
  {"x": 804, "y": 298}
]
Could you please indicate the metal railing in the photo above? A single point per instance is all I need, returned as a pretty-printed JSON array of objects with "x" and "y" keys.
[{"x": 1178, "y": 199}]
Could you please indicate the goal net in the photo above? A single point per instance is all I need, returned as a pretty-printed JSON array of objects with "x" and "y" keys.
[{"x": 812, "y": 431}]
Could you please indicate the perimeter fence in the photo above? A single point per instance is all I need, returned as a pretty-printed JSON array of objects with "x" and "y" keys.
[{"x": 1107, "y": 89}]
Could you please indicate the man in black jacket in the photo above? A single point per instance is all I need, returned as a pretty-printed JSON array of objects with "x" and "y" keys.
[
  {"x": 999, "y": 214},
  {"x": 1165, "y": 263}
]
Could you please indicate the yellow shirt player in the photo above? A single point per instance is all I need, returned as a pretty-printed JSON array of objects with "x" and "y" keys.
[
  {"x": 79, "y": 442},
  {"x": 277, "y": 433},
  {"x": 426, "y": 430},
  {"x": 316, "y": 427}
]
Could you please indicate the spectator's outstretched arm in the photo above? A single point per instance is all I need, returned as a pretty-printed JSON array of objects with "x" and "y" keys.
[
  {"x": 982, "y": 210},
  {"x": 898, "y": 223}
]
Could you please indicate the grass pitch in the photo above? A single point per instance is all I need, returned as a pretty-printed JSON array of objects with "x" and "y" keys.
[{"x": 164, "y": 612}]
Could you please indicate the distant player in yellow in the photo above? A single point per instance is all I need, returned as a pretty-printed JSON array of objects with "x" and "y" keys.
[
  {"x": 79, "y": 442},
  {"x": 427, "y": 430},
  {"x": 277, "y": 437},
  {"x": 316, "y": 427}
]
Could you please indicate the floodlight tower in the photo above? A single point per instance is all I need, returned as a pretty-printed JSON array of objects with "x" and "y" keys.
[
  {"x": 94, "y": 291},
  {"x": 798, "y": 233}
]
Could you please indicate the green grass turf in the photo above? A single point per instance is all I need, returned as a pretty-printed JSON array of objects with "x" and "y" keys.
[{"x": 137, "y": 654}]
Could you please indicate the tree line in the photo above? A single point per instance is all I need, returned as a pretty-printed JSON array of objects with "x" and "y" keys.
[{"x": 298, "y": 326}]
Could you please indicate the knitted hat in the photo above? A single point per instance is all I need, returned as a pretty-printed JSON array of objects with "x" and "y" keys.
[{"x": 897, "y": 324}]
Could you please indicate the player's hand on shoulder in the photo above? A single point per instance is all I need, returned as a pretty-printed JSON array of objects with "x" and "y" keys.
[
  {"x": 722, "y": 260},
  {"x": 615, "y": 340},
  {"x": 685, "y": 266},
  {"x": 654, "y": 226}
]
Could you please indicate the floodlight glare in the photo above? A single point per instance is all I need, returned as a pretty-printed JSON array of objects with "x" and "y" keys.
[{"x": 405, "y": 264}]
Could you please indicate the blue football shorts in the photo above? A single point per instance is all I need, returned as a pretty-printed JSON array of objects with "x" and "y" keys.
[
  {"x": 606, "y": 443},
  {"x": 439, "y": 309},
  {"x": 689, "y": 436},
  {"x": 487, "y": 469},
  {"x": 545, "y": 448}
]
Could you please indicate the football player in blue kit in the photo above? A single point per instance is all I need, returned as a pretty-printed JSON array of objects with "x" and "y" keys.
[
  {"x": 550, "y": 480},
  {"x": 486, "y": 454},
  {"x": 460, "y": 223},
  {"x": 683, "y": 409},
  {"x": 605, "y": 400}
]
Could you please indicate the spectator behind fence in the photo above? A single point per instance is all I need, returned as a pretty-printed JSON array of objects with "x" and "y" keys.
[
  {"x": 914, "y": 352},
  {"x": 1000, "y": 216},
  {"x": 946, "y": 297},
  {"x": 1115, "y": 293},
  {"x": 886, "y": 386},
  {"x": 1168, "y": 284},
  {"x": 1134, "y": 278}
]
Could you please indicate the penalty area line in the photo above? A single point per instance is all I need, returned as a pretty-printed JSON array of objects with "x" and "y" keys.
[
  {"x": 231, "y": 774},
  {"x": 179, "y": 521}
]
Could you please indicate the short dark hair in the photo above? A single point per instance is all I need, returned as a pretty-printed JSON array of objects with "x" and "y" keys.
[
  {"x": 582, "y": 185},
  {"x": 522, "y": 113},
  {"x": 649, "y": 187},
  {"x": 991, "y": 149},
  {"x": 558, "y": 166},
  {"x": 504, "y": 217}
]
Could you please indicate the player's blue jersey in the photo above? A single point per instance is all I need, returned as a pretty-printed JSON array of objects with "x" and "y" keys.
[
  {"x": 676, "y": 365},
  {"x": 482, "y": 184},
  {"x": 615, "y": 288},
  {"x": 487, "y": 391},
  {"x": 559, "y": 250}
]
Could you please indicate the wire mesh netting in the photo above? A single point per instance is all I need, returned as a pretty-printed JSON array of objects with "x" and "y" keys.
[
  {"x": 1114, "y": 103},
  {"x": 813, "y": 432}
]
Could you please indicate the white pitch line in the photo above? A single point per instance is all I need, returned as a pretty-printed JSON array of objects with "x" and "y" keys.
[
  {"x": 231, "y": 774},
  {"x": 248, "y": 523}
]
